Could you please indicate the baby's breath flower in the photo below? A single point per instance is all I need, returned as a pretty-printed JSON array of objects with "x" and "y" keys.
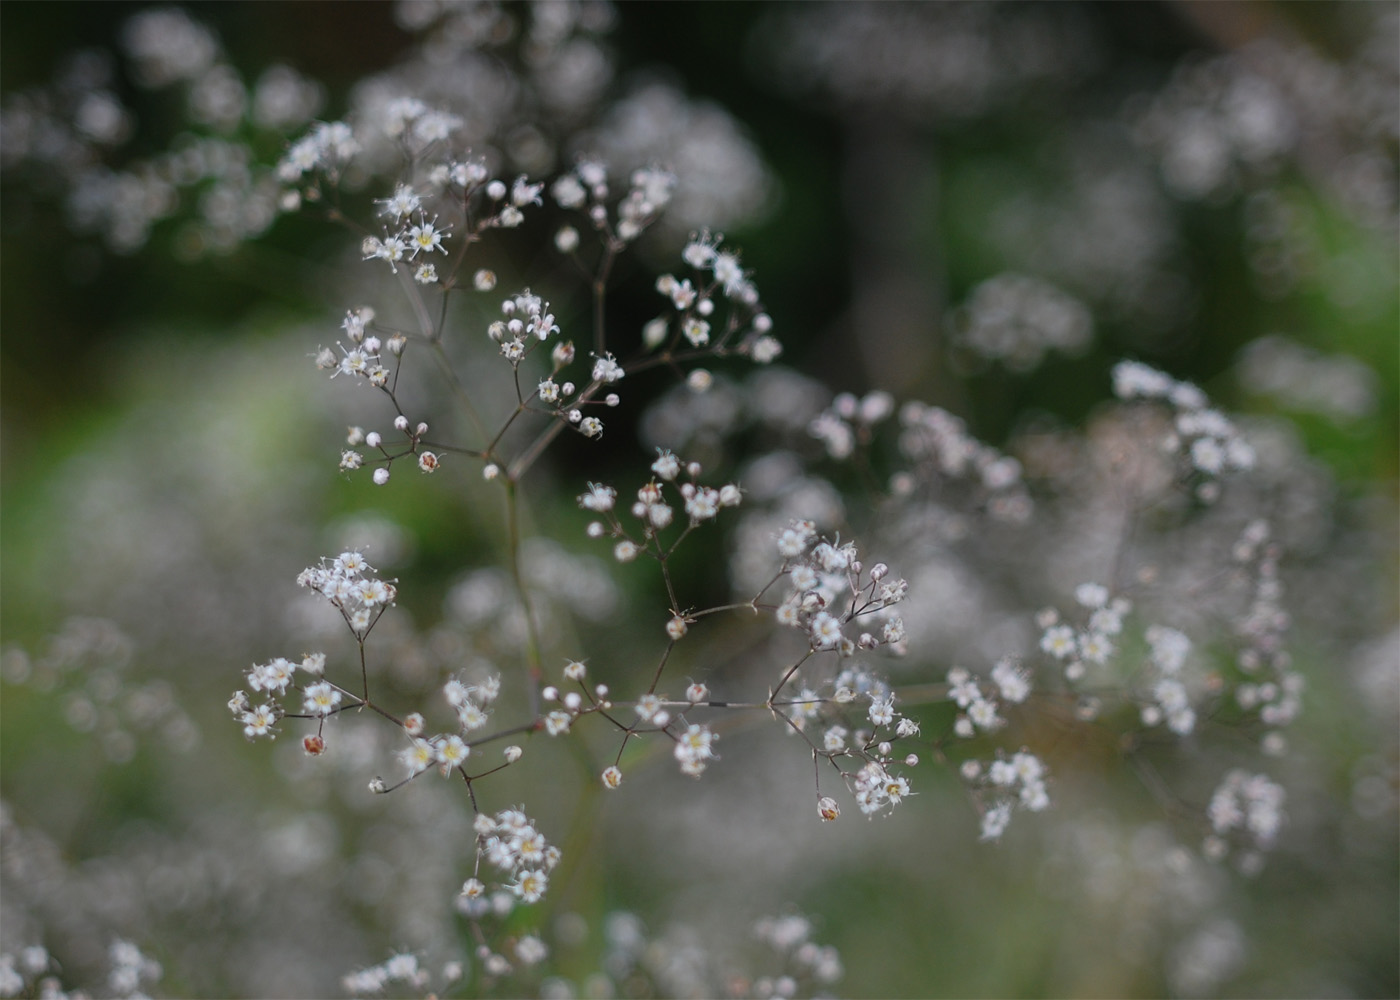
[
  {"x": 557, "y": 723},
  {"x": 524, "y": 193},
  {"x": 531, "y": 884},
  {"x": 1059, "y": 641},
  {"x": 419, "y": 756},
  {"x": 403, "y": 203},
  {"x": 995, "y": 821},
  {"x": 260, "y": 720},
  {"x": 1012, "y": 682},
  {"x": 694, "y": 749},
  {"x": 321, "y": 699},
  {"x": 599, "y": 498},
  {"x": 452, "y": 752},
  {"x": 648, "y": 705},
  {"x": 530, "y": 950},
  {"x": 472, "y": 888},
  {"x": 697, "y": 331},
  {"x": 825, "y": 630}
]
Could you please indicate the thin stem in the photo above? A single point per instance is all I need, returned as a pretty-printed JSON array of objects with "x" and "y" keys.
[
  {"x": 534, "y": 668},
  {"x": 600, "y": 289},
  {"x": 440, "y": 358},
  {"x": 787, "y": 677}
]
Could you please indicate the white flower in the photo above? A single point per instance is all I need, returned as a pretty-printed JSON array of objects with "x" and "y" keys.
[
  {"x": 1014, "y": 684},
  {"x": 1059, "y": 642},
  {"x": 995, "y": 821},
  {"x": 983, "y": 714},
  {"x": 320, "y": 699},
  {"x": 1094, "y": 647},
  {"x": 1091, "y": 595},
  {"x": 598, "y": 498},
  {"x": 556, "y": 723},
  {"x": 530, "y": 885},
  {"x": 451, "y": 752},
  {"x": 825, "y": 630}
]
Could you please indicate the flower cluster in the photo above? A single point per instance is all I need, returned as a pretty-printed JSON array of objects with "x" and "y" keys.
[
  {"x": 348, "y": 583},
  {"x": 512, "y": 844},
  {"x": 791, "y": 936},
  {"x": 1007, "y": 784},
  {"x": 831, "y": 589},
  {"x": 675, "y": 484},
  {"x": 940, "y": 447},
  {"x": 1205, "y": 437},
  {"x": 850, "y": 420},
  {"x": 1090, "y": 643},
  {"x": 978, "y": 704},
  {"x": 1272, "y": 687},
  {"x": 449, "y": 751},
  {"x": 412, "y": 449},
  {"x": 328, "y": 147},
  {"x": 692, "y": 325},
  {"x": 695, "y": 749},
  {"x": 876, "y": 789},
  {"x": 400, "y": 968},
  {"x": 1017, "y": 320},
  {"x": 528, "y": 319},
  {"x": 1248, "y": 808},
  {"x": 18, "y": 971},
  {"x": 131, "y": 968},
  {"x": 1169, "y": 694},
  {"x": 586, "y": 187}
]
